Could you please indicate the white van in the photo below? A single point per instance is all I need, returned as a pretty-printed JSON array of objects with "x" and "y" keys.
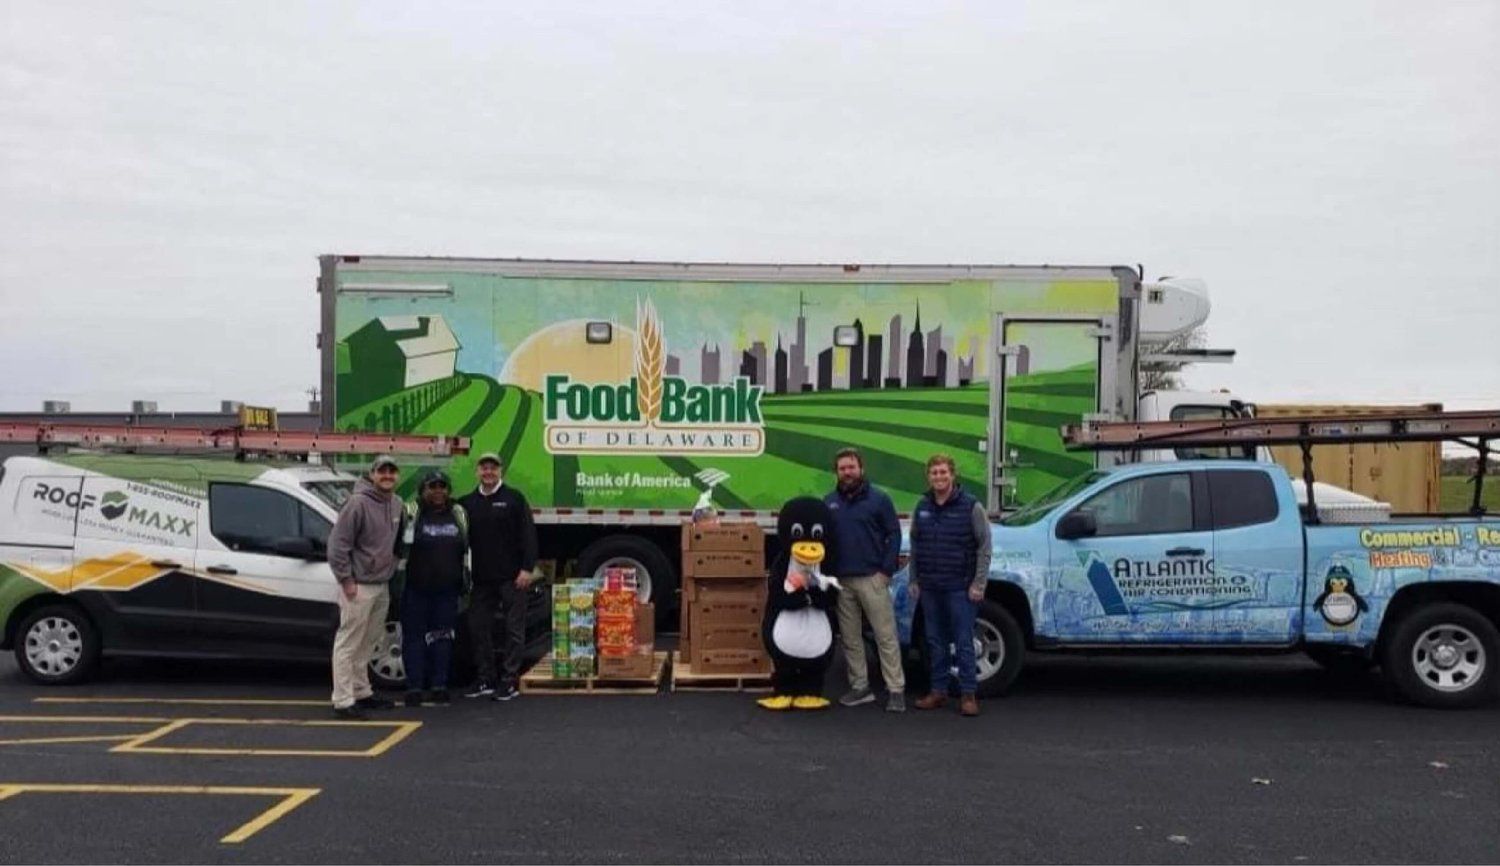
[{"x": 169, "y": 556}]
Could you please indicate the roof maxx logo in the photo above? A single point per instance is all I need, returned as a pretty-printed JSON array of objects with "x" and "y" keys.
[{"x": 113, "y": 504}]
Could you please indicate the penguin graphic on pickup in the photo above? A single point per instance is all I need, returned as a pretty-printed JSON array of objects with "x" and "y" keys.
[
  {"x": 798, "y": 626},
  {"x": 1340, "y": 604}
]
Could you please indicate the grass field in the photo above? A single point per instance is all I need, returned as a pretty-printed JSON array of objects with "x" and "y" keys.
[
  {"x": 1457, "y": 493},
  {"x": 896, "y": 430}
]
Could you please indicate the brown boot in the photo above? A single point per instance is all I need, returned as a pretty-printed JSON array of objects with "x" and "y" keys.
[
  {"x": 931, "y": 701},
  {"x": 968, "y": 705}
]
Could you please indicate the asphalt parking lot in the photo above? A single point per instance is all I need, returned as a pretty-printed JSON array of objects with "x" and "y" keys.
[{"x": 1163, "y": 759}]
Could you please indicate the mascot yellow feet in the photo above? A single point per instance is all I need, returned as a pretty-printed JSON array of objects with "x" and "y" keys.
[
  {"x": 776, "y": 702},
  {"x": 808, "y": 702}
]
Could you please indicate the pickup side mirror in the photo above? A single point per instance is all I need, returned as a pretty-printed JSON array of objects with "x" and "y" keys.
[
  {"x": 1077, "y": 524},
  {"x": 297, "y": 548}
]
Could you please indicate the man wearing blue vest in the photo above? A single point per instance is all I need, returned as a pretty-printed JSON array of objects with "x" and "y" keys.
[
  {"x": 950, "y": 563},
  {"x": 869, "y": 540}
]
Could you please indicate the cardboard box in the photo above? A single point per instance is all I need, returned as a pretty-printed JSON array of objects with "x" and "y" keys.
[
  {"x": 635, "y": 666},
  {"x": 725, "y": 536},
  {"x": 730, "y": 661},
  {"x": 723, "y": 563},
  {"x": 616, "y": 636},
  {"x": 616, "y": 603},
  {"x": 708, "y": 637},
  {"x": 751, "y": 589},
  {"x": 645, "y": 626}
]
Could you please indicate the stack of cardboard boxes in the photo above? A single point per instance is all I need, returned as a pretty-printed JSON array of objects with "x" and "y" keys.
[
  {"x": 723, "y": 599},
  {"x": 626, "y": 629},
  {"x": 573, "y": 618}
]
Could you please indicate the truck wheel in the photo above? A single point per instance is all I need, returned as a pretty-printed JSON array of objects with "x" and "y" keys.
[
  {"x": 1338, "y": 659},
  {"x": 1443, "y": 655},
  {"x": 57, "y": 645},
  {"x": 999, "y": 648},
  {"x": 657, "y": 579}
]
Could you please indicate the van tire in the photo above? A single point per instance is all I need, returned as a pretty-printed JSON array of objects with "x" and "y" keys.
[
  {"x": 644, "y": 556},
  {"x": 57, "y": 645},
  {"x": 1443, "y": 655}
]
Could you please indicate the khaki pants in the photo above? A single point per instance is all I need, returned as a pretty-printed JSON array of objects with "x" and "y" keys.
[
  {"x": 871, "y": 596},
  {"x": 361, "y": 621}
]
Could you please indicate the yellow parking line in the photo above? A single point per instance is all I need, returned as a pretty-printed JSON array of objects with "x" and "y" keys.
[
  {"x": 247, "y": 702},
  {"x": 290, "y": 798},
  {"x": 138, "y": 744},
  {"x": 123, "y": 720},
  {"x": 47, "y": 741}
]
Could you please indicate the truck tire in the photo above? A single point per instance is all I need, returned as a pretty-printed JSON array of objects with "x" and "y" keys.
[
  {"x": 658, "y": 580},
  {"x": 57, "y": 645},
  {"x": 1338, "y": 659},
  {"x": 1000, "y": 648},
  {"x": 1443, "y": 655}
]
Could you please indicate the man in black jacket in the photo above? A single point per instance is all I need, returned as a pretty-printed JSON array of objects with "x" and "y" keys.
[{"x": 502, "y": 541}]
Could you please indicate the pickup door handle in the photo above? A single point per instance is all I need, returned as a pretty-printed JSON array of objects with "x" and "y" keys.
[
  {"x": 1185, "y": 551},
  {"x": 222, "y": 569},
  {"x": 165, "y": 563}
]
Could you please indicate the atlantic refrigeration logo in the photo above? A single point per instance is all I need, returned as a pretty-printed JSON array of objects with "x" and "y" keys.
[{"x": 652, "y": 413}]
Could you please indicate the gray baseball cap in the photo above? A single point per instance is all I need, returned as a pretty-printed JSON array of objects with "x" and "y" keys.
[
  {"x": 383, "y": 460},
  {"x": 489, "y": 457}
]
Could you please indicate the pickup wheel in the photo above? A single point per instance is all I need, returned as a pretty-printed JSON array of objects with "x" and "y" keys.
[
  {"x": 1444, "y": 655},
  {"x": 999, "y": 648},
  {"x": 57, "y": 644}
]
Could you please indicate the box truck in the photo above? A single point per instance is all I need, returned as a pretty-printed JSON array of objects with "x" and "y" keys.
[{"x": 620, "y": 394}]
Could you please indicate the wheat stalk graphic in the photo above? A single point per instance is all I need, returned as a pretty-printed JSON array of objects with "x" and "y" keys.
[{"x": 650, "y": 359}]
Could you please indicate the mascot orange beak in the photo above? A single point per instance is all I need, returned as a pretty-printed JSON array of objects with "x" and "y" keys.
[{"x": 808, "y": 552}]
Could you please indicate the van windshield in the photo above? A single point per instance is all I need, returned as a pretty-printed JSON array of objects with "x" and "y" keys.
[
  {"x": 1039, "y": 508},
  {"x": 335, "y": 493}
]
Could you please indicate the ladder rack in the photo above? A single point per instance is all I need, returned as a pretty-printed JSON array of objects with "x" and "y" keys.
[
  {"x": 237, "y": 441},
  {"x": 1477, "y": 430}
]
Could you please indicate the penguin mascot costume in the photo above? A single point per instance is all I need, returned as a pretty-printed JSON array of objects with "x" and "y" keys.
[{"x": 798, "y": 626}]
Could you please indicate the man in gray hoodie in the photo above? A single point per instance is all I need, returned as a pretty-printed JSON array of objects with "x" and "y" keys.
[{"x": 362, "y": 551}]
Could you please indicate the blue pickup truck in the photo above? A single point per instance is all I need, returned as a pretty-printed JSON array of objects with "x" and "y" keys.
[{"x": 1216, "y": 553}]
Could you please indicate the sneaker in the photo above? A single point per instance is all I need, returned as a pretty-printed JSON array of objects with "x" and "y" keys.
[
  {"x": 507, "y": 692},
  {"x": 482, "y": 689},
  {"x": 855, "y": 697},
  {"x": 439, "y": 698},
  {"x": 895, "y": 703},
  {"x": 413, "y": 699},
  {"x": 350, "y": 713},
  {"x": 374, "y": 702}
]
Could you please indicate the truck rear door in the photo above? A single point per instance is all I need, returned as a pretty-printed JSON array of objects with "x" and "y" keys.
[
  {"x": 1050, "y": 371},
  {"x": 1258, "y": 553}
]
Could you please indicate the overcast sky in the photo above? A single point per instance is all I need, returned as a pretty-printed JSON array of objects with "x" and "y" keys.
[{"x": 169, "y": 171}]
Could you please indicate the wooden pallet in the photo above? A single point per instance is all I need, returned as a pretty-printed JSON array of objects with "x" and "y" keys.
[
  {"x": 539, "y": 681},
  {"x": 685, "y": 679}
]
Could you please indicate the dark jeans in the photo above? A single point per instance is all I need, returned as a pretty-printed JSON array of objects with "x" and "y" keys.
[
  {"x": 427, "y": 621},
  {"x": 948, "y": 616},
  {"x": 486, "y": 599}
]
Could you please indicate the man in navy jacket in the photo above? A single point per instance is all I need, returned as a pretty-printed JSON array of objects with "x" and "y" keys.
[{"x": 869, "y": 539}]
